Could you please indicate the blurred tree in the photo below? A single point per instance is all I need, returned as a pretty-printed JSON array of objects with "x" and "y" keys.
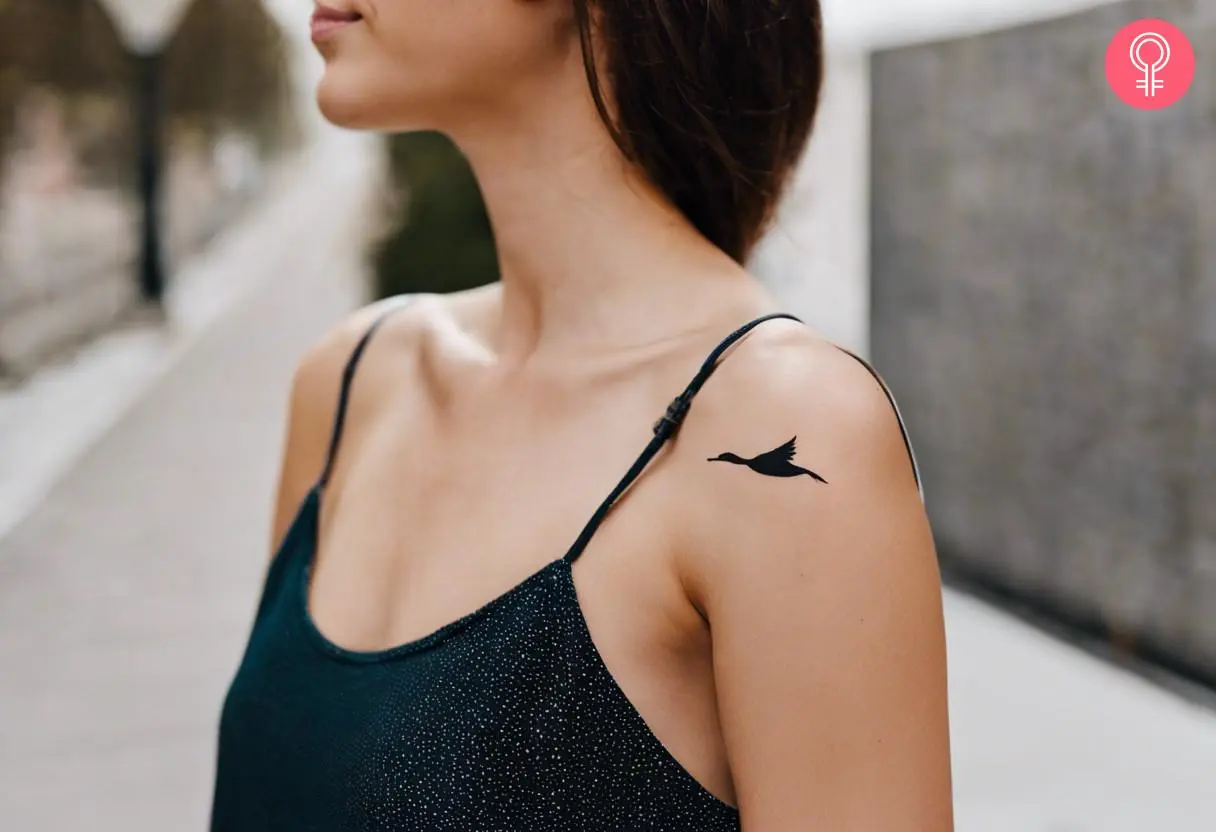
[
  {"x": 226, "y": 67},
  {"x": 70, "y": 44},
  {"x": 70, "y": 47},
  {"x": 441, "y": 240},
  {"x": 223, "y": 71}
]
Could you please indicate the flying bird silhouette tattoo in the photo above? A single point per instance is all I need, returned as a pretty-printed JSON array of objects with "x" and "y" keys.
[{"x": 779, "y": 462}]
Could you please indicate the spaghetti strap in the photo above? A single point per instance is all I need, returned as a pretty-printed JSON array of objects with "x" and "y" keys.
[
  {"x": 348, "y": 375},
  {"x": 664, "y": 429},
  {"x": 899, "y": 417}
]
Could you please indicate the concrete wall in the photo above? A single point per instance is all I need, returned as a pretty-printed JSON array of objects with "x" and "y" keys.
[
  {"x": 816, "y": 258},
  {"x": 881, "y": 24},
  {"x": 1044, "y": 303}
]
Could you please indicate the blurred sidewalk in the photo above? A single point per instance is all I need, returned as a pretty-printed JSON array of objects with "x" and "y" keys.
[
  {"x": 72, "y": 401},
  {"x": 126, "y": 594},
  {"x": 1048, "y": 738}
]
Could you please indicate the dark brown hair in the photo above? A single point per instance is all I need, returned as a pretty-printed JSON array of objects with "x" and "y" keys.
[{"x": 713, "y": 99}]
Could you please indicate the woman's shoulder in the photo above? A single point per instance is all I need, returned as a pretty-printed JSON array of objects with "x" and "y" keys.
[
  {"x": 399, "y": 326},
  {"x": 812, "y": 439},
  {"x": 381, "y": 340},
  {"x": 329, "y": 354},
  {"x": 377, "y": 340},
  {"x": 806, "y": 547},
  {"x": 786, "y": 378}
]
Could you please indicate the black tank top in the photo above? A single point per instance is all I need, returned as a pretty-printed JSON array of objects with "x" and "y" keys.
[{"x": 506, "y": 720}]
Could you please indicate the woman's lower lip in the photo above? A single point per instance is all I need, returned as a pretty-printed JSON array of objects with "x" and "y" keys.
[{"x": 323, "y": 28}]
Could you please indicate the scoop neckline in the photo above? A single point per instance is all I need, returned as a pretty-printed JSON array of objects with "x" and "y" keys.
[
  {"x": 432, "y": 639},
  {"x": 306, "y": 519}
]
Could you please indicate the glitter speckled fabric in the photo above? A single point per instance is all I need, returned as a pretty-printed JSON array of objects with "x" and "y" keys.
[{"x": 505, "y": 720}]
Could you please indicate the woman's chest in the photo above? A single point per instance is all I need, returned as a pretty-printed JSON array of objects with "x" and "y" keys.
[
  {"x": 427, "y": 530},
  {"x": 505, "y": 720},
  {"x": 417, "y": 531}
]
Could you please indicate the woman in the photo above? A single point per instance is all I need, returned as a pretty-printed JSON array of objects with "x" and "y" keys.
[{"x": 746, "y": 631}]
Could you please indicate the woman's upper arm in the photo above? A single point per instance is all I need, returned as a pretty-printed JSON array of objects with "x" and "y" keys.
[{"x": 825, "y": 606}]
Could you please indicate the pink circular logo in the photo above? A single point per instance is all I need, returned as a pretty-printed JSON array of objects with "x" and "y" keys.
[{"x": 1150, "y": 64}]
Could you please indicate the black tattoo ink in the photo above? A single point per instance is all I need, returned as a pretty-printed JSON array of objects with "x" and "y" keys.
[{"x": 776, "y": 463}]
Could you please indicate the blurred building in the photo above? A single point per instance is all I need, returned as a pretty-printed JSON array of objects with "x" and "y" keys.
[{"x": 1029, "y": 262}]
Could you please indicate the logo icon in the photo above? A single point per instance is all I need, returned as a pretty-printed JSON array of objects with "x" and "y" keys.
[
  {"x": 1150, "y": 64},
  {"x": 1151, "y": 82}
]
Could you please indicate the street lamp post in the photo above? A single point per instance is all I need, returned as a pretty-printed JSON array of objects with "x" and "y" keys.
[
  {"x": 145, "y": 26},
  {"x": 149, "y": 102}
]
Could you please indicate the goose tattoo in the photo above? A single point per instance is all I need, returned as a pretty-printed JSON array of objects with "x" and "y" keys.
[{"x": 779, "y": 462}]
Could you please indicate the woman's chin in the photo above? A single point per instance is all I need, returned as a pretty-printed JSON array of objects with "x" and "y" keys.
[
  {"x": 355, "y": 106},
  {"x": 344, "y": 107}
]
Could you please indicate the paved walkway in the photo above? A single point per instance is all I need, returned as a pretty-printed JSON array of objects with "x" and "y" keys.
[
  {"x": 1049, "y": 739},
  {"x": 126, "y": 595}
]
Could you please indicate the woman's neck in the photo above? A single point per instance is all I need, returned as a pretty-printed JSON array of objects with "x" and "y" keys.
[{"x": 592, "y": 257}]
